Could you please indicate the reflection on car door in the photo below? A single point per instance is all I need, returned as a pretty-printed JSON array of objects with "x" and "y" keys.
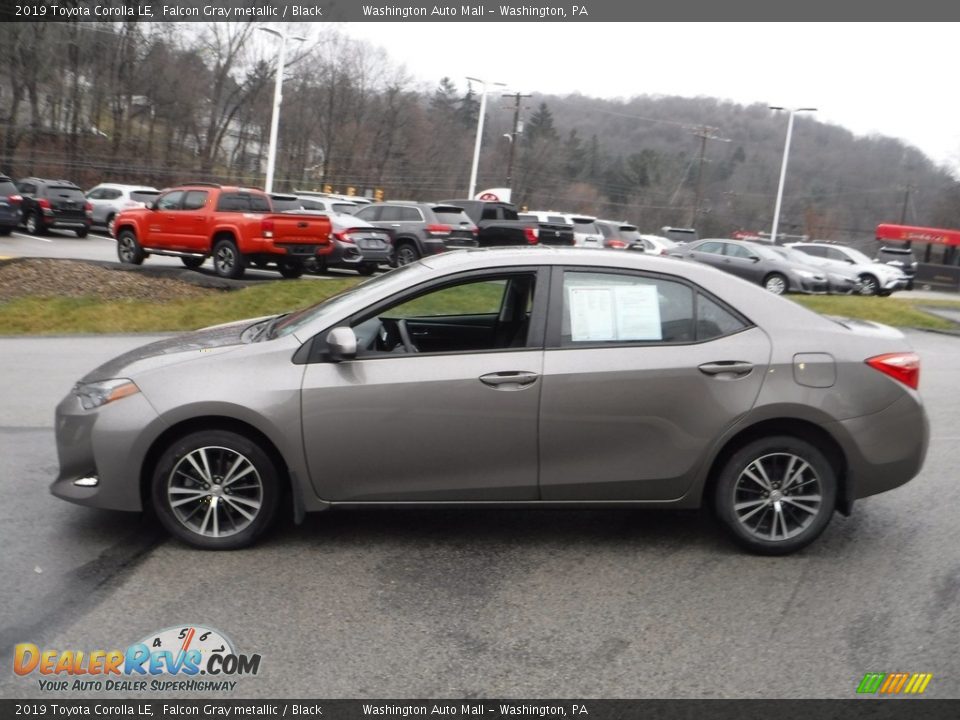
[
  {"x": 454, "y": 422},
  {"x": 633, "y": 389},
  {"x": 739, "y": 261}
]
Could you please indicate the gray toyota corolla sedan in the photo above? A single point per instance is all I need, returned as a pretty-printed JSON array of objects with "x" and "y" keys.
[{"x": 517, "y": 377}]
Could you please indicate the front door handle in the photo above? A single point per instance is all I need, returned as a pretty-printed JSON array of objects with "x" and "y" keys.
[
  {"x": 735, "y": 368},
  {"x": 518, "y": 378}
]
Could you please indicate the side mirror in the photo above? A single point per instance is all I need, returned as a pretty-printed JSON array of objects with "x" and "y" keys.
[
  {"x": 342, "y": 344},
  {"x": 754, "y": 258},
  {"x": 154, "y": 205}
]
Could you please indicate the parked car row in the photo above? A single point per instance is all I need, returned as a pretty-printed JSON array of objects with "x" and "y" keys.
[{"x": 805, "y": 267}]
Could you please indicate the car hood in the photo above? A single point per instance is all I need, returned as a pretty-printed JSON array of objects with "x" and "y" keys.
[{"x": 172, "y": 350}]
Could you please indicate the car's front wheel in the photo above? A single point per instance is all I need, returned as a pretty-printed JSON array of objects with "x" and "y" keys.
[
  {"x": 776, "y": 283},
  {"x": 128, "y": 248},
  {"x": 216, "y": 490},
  {"x": 868, "y": 285},
  {"x": 776, "y": 494}
]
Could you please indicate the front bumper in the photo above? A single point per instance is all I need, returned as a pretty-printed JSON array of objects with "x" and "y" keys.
[{"x": 107, "y": 443}]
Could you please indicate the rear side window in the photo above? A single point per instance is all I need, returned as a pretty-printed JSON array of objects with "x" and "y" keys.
[
  {"x": 27, "y": 188},
  {"x": 710, "y": 247},
  {"x": 604, "y": 308},
  {"x": 243, "y": 202},
  {"x": 714, "y": 321},
  {"x": 409, "y": 214},
  {"x": 816, "y": 251}
]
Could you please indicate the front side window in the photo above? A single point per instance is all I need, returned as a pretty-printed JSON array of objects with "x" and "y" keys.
[
  {"x": 715, "y": 248},
  {"x": 478, "y": 314},
  {"x": 170, "y": 201}
]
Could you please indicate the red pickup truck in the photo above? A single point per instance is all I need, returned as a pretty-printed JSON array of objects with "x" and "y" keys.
[{"x": 236, "y": 226}]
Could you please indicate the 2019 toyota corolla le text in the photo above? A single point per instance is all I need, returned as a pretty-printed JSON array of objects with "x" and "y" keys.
[{"x": 516, "y": 377}]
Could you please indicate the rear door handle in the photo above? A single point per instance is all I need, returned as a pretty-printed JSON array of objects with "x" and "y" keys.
[
  {"x": 736, "y": 368},
  {"x": 518, "y": 378}
]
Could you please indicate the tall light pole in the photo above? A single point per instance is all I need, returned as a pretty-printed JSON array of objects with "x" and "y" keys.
[
  {"x": 783, "y": 166},
  {"x": 476, "y": 145},
  {"x": 277, "y": 99}
]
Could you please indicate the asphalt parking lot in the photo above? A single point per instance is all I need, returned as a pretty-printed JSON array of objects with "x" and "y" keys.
[{"x": 466, "y": 603}]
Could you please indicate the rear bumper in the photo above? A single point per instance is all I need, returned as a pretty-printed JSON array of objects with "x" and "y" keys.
[{"x": 886, "y": 449}]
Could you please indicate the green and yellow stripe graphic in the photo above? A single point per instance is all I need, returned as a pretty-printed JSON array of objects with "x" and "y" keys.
[{"x": 894, "y": 683}]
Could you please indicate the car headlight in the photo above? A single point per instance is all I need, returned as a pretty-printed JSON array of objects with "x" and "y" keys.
[
  {"x": 806, "y": 274},
  {"x": 93, "y": 395}
]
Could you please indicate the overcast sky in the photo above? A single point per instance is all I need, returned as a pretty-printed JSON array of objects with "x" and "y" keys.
[{"x": 893, "y": 79}]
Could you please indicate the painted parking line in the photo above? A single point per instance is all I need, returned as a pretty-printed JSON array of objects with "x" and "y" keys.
[{"x": 31, "y": 237}]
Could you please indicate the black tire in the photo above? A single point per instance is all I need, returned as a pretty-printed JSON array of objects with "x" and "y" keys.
[
  {"x": 218, "y": 517},
  {"x": 757, "y": 507},
  {"x": 4, "y": 231},
  {"x": 128, "y": 248},
  {"x": 367, "y": 268},
  {"x": 227, "y": 260},
  {"x": 869, "y": 285},
  {"x": 407, "y": 253},
  {"x": 776, "y": 283},
  {"x": 110, "y": 220},
  {"x": 82, "y": 232},
  {"x": 34, "y": 223},
  {"x": 290, "y": 269},
  {"x": 192, "y": 262}
]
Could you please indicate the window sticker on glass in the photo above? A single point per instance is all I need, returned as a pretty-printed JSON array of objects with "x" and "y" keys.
[{"x": 617, "y": 313}]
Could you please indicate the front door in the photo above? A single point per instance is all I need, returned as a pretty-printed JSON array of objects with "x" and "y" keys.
[{"x": 440, "y": 403}]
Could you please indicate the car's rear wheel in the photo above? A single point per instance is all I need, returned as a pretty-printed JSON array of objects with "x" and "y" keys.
[
  {"x": 192, "y": 262},
  {"x": 367, "y": 268},
  {"x": 216, "y": 490},
  {"x": 35, "y": 224},
  {"x": 868, "y": 285},
  {"x": 776, "y": 283},
  {"x": 290, "y": 269},
  {"x": 4, "y": 231},
  {"x": 776, "y": 494},
  {"x": 227, "y": 260},
  {"x": 82, "y": 232},
  {"x": 128, "y": 248},
  {"x": 407, "y": 253}
]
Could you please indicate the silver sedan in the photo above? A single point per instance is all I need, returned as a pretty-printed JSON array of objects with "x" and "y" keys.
[{"x": 516, "y": 377}]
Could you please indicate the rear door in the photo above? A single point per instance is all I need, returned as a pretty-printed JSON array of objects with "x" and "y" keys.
[
  {"x": 642, "y": 373},
  {"x": 191, "y": 222}
]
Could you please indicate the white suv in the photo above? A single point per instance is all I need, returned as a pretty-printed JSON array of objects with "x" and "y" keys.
[
  {"x": 875, "y": 278},
  {"x": 108, "y": 199}
]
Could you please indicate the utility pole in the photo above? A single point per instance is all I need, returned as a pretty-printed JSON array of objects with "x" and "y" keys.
[
  {"x": 903, "y": 211},
  {"x": 704, "y": 132},
  {"x": 515, "y": 130}
]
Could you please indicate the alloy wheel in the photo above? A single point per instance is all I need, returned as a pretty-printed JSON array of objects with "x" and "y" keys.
[
  {"x": 214, "y": 491},
  {"x": 777, "y": 496}
]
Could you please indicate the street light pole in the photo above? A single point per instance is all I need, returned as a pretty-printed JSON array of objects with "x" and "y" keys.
[
  {"x": 783, "y": 166},
  {"x": 476, "y": 145},
  {"x": 277, "y": 99}
]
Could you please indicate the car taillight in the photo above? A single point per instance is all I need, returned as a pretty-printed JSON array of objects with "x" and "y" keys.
[
  {"x": 532, "y": 235},
  {"x": 88, "y": 209},
  {"x": 345, "y": 236},
  {"x": 904, "y": 366},
  {"x": 266, "y": 228},
  {"x": 44, "y": 205},
  {"x": 15, "y": 199},
  {"x": 615, "y": 244},
  {"x": 439, "y": 230}
]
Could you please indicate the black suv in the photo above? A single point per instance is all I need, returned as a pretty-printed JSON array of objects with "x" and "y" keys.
[
  {"x": 422, "y": 228},
  {"x": 54, "y": 204},
  {"x": 9, "y": 205},
  {"x": 901, "y": 258}
]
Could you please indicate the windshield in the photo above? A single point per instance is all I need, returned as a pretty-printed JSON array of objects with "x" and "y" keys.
[
  {"x": 857, "y": 256},
  {"x": 795, "y": 256},
  {"x": 332, "y": 305}
]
